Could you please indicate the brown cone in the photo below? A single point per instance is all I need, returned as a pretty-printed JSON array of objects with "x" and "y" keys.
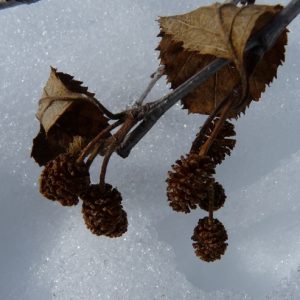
[
  {"x": 63, "y": 179},
  {"x": 210, "y": 239},
  {"x": 188, "y": 182},
  {"x": 219, "y": 198},
  {"x": 222, "y": 145},
  {"x": 103, "y": 212}
]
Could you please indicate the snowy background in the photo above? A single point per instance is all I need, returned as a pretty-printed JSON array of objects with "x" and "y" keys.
[{"x": 45, "y": 250}]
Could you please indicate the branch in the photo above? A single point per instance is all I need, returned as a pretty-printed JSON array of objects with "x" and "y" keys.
[
  {"x": 155, "y": 77},
  {"x": 10, "y": 3},
  {"x": 260, "y": 43}
]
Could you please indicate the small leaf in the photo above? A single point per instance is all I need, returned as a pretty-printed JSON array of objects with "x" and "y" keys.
[
  {"x": 193, "y": 40},
  {"x": 66, "y": 109}
]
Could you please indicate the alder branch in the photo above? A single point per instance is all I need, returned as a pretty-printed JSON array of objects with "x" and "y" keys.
[
  {"x": 155, "y": 77},
  {"x": 259, "y": 43},
  {"x": 10, "y": 3}
]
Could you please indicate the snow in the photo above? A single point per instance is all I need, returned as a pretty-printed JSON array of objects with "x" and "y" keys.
[{"x": 47, "y": 253}]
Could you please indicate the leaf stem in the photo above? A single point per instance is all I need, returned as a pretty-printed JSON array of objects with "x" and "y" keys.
[
  {"x": 117, "y": 139},
  {"x": 108, "y": 113}
]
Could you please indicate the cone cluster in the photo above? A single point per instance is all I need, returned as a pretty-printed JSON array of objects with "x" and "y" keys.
[
  {"x": 210, "y": 239},
  {"x": 63, "y": 179},
  {"x": 66, "y": 179},
  {"x": 191, "y": 184},
  {"x": 103, "y": 212},
  {"x": 188, "y": 182}
]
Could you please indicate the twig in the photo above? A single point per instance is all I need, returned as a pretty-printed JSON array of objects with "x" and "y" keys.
[
  {"x": 205, "y": 147},
  {"x": 117, "y": 139},
  {"x": 198, "y": 141},
  {"x": 96, "y": 140},
  {"x": 260, "y": 43},
  {"x": 211, "y": 198},
  {"x": 106, "y": 112},
  {"x": 105, "y": 164},
  {"x": 155, "y": 77},
  {"x": 94, "y": 153},
  {"x": 11, "y": 3}
]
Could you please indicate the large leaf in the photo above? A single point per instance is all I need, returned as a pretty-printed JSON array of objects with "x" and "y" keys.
[
  {"x": 193, "y": 40},
  {"x": 66, "y": 109}
]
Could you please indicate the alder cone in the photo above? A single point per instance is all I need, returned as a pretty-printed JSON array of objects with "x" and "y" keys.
[
  {"x": 188, "y": 182},
  {"x": 63, "y": 179},
  {"x": 219, "y": 198},
  {"x": 222, "y": 144},
  {"x": 186, "y": 48},
  {"x": 210, "y": 238},
  {"x": 103, "y": 212}
]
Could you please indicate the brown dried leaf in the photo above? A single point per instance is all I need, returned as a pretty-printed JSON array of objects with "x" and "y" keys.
[
  {"x": 193, "y": 40},
  {"x": 66, "y": 110},
  {"x": 43, "y": 149}
]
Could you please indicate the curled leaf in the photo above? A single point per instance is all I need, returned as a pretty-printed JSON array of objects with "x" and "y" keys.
[{"x": 66, "y": 109}]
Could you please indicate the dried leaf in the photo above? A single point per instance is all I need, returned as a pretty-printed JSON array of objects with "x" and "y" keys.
[
  {"x": 44, "y": 149},
  {"x": 66, "y": 110},
  {"x": 193, "y": 40}
]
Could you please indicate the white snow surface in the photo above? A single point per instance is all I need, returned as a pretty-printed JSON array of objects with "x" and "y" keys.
[{"x": 47, "y": 253}]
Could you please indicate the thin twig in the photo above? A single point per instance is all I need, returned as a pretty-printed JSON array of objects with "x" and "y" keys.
[
  {"x": 155, "y": 77},
  {"x": 198, "y": 141},
  {"x": 96, "y": 140},
  {"x": 94, "y": 153},
  {"x": 205, "y": 147},
  {"x": 211, "y": 198},
  {"x": 105, "y": 164},
  {"x": 106, "y": 112},
  {"x": 11, "y": 3},
  {"x": 117, "y": 139},
  {"x": 260, "y": 43}
]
